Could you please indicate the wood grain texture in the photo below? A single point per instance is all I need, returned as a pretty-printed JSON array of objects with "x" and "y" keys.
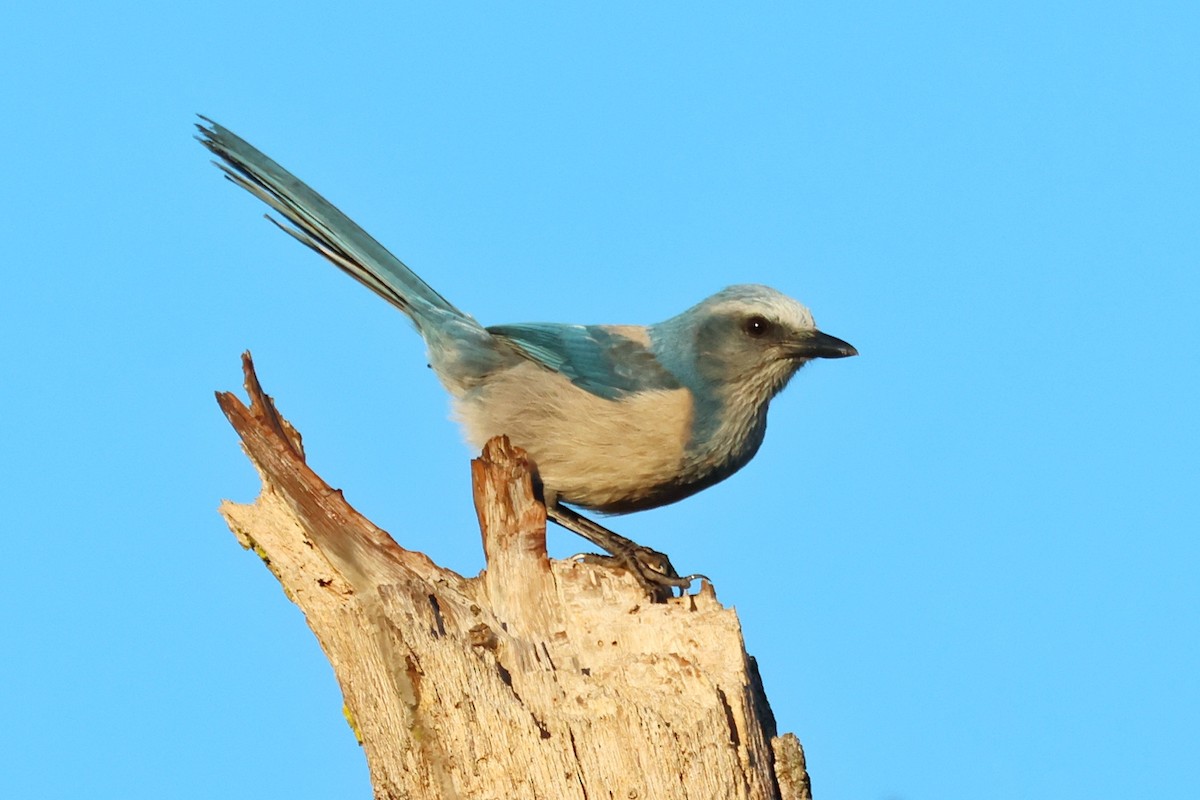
[{"x": 537, "y": 679}]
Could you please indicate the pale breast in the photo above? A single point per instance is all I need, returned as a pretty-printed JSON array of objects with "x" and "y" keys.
[{"x": 593, "y": 452}]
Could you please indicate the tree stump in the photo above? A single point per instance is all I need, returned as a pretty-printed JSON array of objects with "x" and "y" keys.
[{"x": 536, "y": 679}]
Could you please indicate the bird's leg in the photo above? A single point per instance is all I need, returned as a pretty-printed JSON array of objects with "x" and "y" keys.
[{"x": 652, "y": 568}]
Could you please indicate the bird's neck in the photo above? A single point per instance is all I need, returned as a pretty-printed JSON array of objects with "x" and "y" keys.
[{"x": 728, "y": 428}]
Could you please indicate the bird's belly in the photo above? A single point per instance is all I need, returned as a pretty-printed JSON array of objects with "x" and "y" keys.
[{"x": 609, "y": 455}]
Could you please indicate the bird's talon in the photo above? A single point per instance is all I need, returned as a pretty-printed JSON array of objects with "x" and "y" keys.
[{"x": 590, "y": 558}]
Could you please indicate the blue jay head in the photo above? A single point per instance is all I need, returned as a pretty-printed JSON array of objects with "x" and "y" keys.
[{"x": 752, "y": 339}]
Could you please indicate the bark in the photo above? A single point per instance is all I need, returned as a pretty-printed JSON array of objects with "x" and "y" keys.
[{"x": 536, "y": 679}]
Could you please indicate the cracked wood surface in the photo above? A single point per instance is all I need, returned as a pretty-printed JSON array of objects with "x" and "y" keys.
[{"x": 537, "y": 679}]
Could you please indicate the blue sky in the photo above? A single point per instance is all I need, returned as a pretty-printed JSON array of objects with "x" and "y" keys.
[{"x": 967, "y": 560}]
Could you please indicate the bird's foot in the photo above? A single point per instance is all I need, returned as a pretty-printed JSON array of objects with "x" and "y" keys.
[{"x": 652, "y": 569}]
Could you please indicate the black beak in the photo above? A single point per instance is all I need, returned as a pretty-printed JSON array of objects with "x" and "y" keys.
[{"x": 821, "y": 345}]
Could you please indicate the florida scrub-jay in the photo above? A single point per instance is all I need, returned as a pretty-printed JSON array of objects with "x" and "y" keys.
[{"x": 616, "y": 418}]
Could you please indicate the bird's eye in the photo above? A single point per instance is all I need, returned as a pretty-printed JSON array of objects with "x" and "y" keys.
[{"x": 756, "y": 326}]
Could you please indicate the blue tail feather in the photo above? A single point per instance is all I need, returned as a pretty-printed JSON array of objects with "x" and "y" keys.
[{"x": 320, "y": 225}]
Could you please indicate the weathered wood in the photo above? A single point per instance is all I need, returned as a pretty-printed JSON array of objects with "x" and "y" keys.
[{"x": 538, "y": 679}]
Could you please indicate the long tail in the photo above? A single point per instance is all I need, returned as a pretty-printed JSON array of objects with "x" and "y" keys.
[{"x": 319, "y": 225}]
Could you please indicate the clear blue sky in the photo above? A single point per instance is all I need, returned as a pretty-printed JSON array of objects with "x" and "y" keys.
[{"x": 967, "y": 561}]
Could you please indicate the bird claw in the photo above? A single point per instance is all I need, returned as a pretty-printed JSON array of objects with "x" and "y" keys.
[{"x": 651, "y": 568}]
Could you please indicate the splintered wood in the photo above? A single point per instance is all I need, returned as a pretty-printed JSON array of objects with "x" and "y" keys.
[{"x": 537, "y": 679}]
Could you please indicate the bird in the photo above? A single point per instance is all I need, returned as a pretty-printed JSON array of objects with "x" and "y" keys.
[{"x": 615, "y": 418}]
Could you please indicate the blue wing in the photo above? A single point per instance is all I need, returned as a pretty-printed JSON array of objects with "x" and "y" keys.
[{"x": 597, "y": 358}]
